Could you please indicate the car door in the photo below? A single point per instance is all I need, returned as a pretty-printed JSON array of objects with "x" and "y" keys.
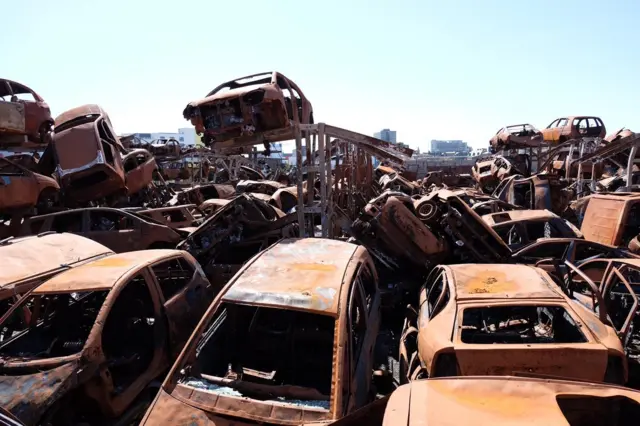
[
  {"x": 548, "y": 133},
  {"x": 563, "y": 128},
  {"x": 620, "y": 298},
  {"x": 186, "y": 295},
  {"x": 360, "y": 350},
  {"x": 114, "y": 229},
  {"x": 18, "y": 186}
]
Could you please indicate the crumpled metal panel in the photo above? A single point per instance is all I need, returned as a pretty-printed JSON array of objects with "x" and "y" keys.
[{"x": 29, "y": 396}]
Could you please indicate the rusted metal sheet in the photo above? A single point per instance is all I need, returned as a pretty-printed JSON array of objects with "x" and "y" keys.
[
  {"x": 507, "y": 401},
  {"x": 264, "y": 186},
  {"x": 516, "y": 136},
  {"x": 11, "y": 117},
  {"x": 33, "y": 259},
  {"x": 309, "y": 276},
  {"x": 23, "y": 189},
  {"x": 139, "y": 167},
  {"x": 612, "y": 219}
]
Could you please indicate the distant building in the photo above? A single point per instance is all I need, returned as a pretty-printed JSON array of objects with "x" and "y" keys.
[
  {"x": 386, "y": 135},
  {"x": 449, "y": 146},
  {"x": 186, "y": 136}
]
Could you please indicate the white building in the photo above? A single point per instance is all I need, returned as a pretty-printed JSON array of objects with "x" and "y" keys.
[{"x": 186, "y": 136}]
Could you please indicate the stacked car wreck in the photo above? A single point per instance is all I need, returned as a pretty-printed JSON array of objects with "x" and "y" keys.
[{"x": 151, "y": 283}]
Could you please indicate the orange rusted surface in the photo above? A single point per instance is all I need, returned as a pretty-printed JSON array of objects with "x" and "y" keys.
[
  {"x": 612, "y": 219},
  {"x": 496, "y": 319},
  {"x": 516, "y": 136},
  {"x": 315, "y": 283},
  {"x": 139, "y": 167},
  {"x": 28, "y": 117},
  {"x": 21, "y": 188},
  {"x": 101, "y": 274},
  {"x": 510, "y": 401},
  {"x": 29, "y": 260},
  {"x": 309, "y": 276}
]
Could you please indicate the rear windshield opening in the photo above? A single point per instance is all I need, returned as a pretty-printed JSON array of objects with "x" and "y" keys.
[
  {"x": 519, "y": 324},
  {"x": 266, "y": 354},
  {"x": 587, "y": 410}
]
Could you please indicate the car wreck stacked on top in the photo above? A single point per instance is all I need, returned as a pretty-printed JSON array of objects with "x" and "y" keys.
[{"x": 337, "y": 292}]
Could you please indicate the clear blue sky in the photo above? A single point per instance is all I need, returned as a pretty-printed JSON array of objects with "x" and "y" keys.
[{"x": 446, "y": 69}]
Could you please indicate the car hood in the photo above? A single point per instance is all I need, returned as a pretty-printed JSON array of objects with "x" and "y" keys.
[{"x": 29, "y": 396}]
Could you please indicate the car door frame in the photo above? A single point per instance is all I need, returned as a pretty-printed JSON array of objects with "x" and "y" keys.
[
  {"x": 616, "y": 269},
  {"x": 178, "y": 305}
]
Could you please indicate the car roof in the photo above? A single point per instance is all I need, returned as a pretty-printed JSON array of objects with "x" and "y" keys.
[
  {"x": 34, "y": 255},
  {"x": 517, "y": 215},
  {"x": 103, "y": 274},
  {"x": 304, "y": 274},
  {"x": 499, "y": 401},
  {"x": 501, "y": 281}
]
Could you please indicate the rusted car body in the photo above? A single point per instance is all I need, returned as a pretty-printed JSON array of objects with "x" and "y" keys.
[
  {"x": 535, "y": 192},
  {"x": 25, "y": 115},
  {"x": 87, "y": 152},
  {"x": 29, "y": 261},
  {"x": 507, "y": 401},
  {"x": 519, "y": 228},
  {"x": 211, "y": 206},
  {"x": 200, "y": 193},
  {"x": 117, "y": 229},
  {"x": 99, "y": 335},
  {"x": 574, "y": 127},
  {"x": 497, "y": 319},
  {"x": 620, "y": 134},
  {"x": 617, "y": 281},
  {"x": 319, "y": 298},
  {"x": 490, "y": 171},
  {"x": 267, "y": 187},
  {"x": 174, "y": 170},
  {"x": 516, "y": 136},
  {"x": 234, "y": 233},
  {"x": 612, "y": 219},
  {"x": 165, "y": 149},
  {"x": 174, "y": 217},
  {"x": 22, "y": 189},
  {"x": 259, "y": 104},
  {"x": 139, "y": 167},
  {"x": 286, "y": 199}
]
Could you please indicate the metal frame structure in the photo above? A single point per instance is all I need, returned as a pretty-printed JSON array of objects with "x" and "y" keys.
[{"x": 352, "y": 153}]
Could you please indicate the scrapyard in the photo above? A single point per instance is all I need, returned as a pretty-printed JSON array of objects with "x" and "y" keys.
[{"x": 150, "y": 283}]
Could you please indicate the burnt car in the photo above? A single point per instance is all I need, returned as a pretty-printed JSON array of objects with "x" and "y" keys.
[
  {"x": 22, "y": 189},
  {"x": 23, "y": 113},
  {"x": 263, "y": 106},
  {"x": 536, "y": 192},
  {"x": 87, "y": 155},
  {"x": 574, "y": 127},
  {"x": 498, "y": 319},
  {"x": 519, "y": 228},
  {"x": 200, "y": 193},
  {"x": 211, "y": 206},
  {"x": 516, "y": 136},
  {"x": 175, "y": 217},
  {"x": 139, "y": 167},
  {"x": 488, "y": 172},
  {"x": 502, "y": 400},
  {"x": 117, "y": 229},
  {"x": 164, "y": 149},
  {"x": 98, "y": 336},
  {"x": 234, "y": 233},
  {"x": 620, "y": 134},
  {"x": 267, "y": 187},
  {"x": 316, "y": 297}
]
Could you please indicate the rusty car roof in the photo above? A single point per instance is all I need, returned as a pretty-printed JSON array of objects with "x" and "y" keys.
[
  {"x": 102, "y": 274},
  {"x": 38, "y": 254},
  {"x": 303, "y": 274},
  {"x": 80, "y": 111},
  {"x": 497, "y": 401},
  {"x": 501, "y": 281},
  {"x": 518, "y": 215}
]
